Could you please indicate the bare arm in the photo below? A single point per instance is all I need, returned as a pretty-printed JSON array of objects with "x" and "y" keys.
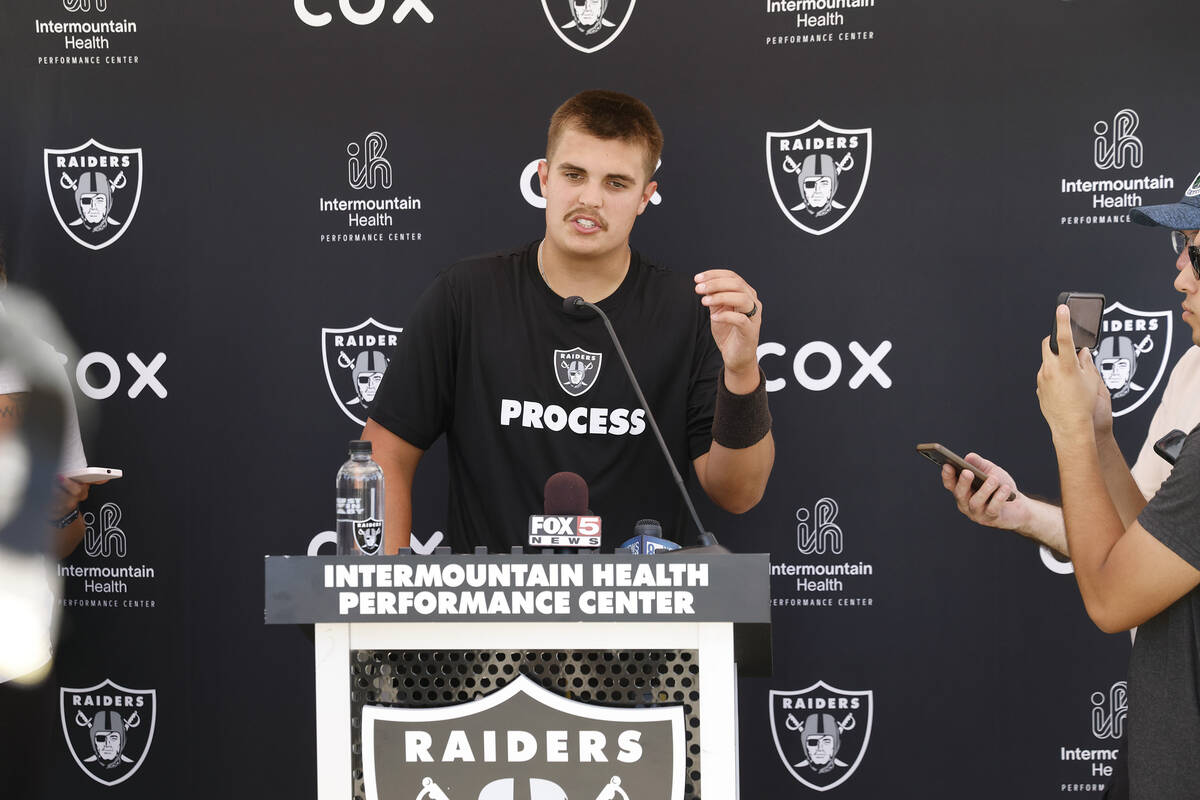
[
  {"x": 399, "y": 461},
  {"x": 1125, "y": 575},
  {"x": 1126, "y": 496},
  {"x": 1035, "y": 519}
]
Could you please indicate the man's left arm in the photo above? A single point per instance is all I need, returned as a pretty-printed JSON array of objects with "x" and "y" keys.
[
  {"x": 735, "y": 470},
  {"x": 1126, "y": 576}
]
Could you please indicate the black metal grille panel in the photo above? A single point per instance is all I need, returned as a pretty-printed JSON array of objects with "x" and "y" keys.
[{"x": 431, "y": 678}]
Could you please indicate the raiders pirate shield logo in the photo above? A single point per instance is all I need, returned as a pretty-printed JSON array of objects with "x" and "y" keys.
[
  {"x": 520, "y": 742},
  {"x": 821, "y": 733},
  {"x": 588, "y": 25},
  {"x": 576, "y": 370},
  {"x": 818, "y": 174},
  {"x": 368, "y": 535},
  {"x": 355, "y": 360},
  {"x": 94, "y": 190},
  {"x": 1131, "y": 354},
  {"x": 108, "y": 729}
]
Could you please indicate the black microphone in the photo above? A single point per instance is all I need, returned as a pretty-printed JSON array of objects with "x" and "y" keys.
[
  {"x": 566, "y": 521},
  {"x": 576, "y": 306}
]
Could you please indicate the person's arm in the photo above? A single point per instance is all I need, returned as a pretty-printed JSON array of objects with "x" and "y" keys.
[
  {"x": 1125, "y": 575},
  {"x": 68, "y": 494},
  {"x": 734, "y": 475},
  {"x": 399, "y": 461}
]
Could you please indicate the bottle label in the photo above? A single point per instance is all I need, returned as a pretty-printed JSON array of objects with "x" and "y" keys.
[
  {"x": 349, "y": 506},
  {"x": 368, "y": 535}
]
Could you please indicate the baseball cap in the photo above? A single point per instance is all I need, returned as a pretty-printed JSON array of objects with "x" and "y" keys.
[{"x": 1181, "y": 216}]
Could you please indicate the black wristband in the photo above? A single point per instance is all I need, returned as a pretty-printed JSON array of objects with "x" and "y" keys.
[
  {"x": 741, "y": 420},
  {"x": 63, "y": 522}
]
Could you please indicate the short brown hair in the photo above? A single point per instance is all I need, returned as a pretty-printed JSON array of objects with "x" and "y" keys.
[{"x": 609, "y": 115}]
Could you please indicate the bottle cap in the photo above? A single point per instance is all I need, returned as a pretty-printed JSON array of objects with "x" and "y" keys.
[{"x": 360, "y": 446}]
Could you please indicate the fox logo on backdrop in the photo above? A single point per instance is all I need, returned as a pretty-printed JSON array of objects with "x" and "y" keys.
[
  {"x": 523, "y": 741},
  {"x": 108, "y": 729},
  {"x": 355, "y": 360},
  {"x": 1131, "y": 354},
  {"x": 821, "y": 733},
  {"x": 94, "y": 190},
  {"x": 818, "y": 174},
  {"x": 588, "y": 25},
  {"x": 576, "y": 370}
]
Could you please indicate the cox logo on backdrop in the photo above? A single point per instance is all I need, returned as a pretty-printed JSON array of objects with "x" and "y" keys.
[
  {"x": 322, "y": 18},
  {"x": 588, "y": 25},
  {"x": 94, "y": 190},
  {"x": 818, "y": 174},
  {"x": 96, "y": 364},
  {"x": 811, "y": 374},
  {"x": 531, "y": 188}
]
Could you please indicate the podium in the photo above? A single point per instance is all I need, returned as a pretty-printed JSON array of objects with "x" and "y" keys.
[{"x": 472, "y": 677}]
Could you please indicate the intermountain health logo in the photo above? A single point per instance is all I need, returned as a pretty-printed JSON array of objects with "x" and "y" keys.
[
  {"x": 1117, "y": 148},
  {"x": 818, "y": 174},
  {"x": 94, "y": 190},
  {"x": 86, "y": 35},
  {"x": 588, "y": 25},
  {"x": 355, "y": 360},
  {"x": 108, "y": 729},
  {"x": 523, "y": 741},
  {"x": 374, "y": 213},
  {"x": 821, "y": 732}
]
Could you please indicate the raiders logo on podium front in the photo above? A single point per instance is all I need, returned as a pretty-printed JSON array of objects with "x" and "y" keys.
[
  {"x": 523, "y": 742},
  {"x": 94, "y": 190},
  {"x": 818, "y": 174},
  {"x": 108, "y": 729},
  {"x": 1132, "y": 353},
  {"x": 588, "y": 25},
  {"x": 821, "y": 733},
  {"x": 355, "y": 360}
]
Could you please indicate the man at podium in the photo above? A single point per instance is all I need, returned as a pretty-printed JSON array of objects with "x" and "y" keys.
[{"x": 524, "y": 386}]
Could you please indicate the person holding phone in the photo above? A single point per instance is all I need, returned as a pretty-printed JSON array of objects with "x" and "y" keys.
[{"x": 1127, "y": 491}]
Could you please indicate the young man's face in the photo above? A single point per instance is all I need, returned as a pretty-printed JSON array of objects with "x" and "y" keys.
[
  {"x": 594, "y": 189},
  {"x": 1186, "y": 282}
]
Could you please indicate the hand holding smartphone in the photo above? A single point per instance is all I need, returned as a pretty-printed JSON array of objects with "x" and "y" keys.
[
  {"x": 943, "y": 455},
  {"x": 1087, "y": 314}
]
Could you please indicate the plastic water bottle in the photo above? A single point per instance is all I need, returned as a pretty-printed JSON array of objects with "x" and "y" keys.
[{"x": 360, "y": 503}]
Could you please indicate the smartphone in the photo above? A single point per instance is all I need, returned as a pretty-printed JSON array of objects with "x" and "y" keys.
[
  {"x": 94, "y": 474},
  {"x": 943, "y": 455},
  {"x": 1168, "y": 447},
  {"x": 1087, "y": 312}
]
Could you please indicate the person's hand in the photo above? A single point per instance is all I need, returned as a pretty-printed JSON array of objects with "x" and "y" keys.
[
  {"x": 67, "y": 495},
  {"x": 1067, "y": 383},
  {"x": 735, "y": 313},
  {"x": 990, "y": 505}
]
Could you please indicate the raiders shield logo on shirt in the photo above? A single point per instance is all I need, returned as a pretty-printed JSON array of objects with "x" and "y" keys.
[
  {"x": 1132, "y": 353},
  {"x": 821, "y": 733},
  {"x": 576, "y": 370},
  {"x": 94, "y": 190},
  {"x": 818, "y": 174},
  {"x": 523, "y": 741},
  {"x": 108, "y": 729},
  {"x": 588, "y": 25}
]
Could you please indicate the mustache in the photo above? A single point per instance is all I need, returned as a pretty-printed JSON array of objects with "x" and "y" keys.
[{"x": 583, "y": 212}]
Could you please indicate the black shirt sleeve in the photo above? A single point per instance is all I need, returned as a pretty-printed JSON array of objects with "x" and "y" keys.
[
  {"x": 415, "y": 400},
  {"x": 1173, "y": 515}
]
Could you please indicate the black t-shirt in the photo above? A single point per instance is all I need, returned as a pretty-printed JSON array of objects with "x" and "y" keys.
[
  {"x": 1164, "y": 669},
  {"x": 523, "y": 390}
]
